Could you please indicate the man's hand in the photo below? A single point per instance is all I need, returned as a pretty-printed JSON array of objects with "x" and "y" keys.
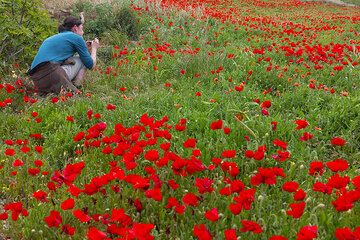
[{"x": 95, "y": 44}]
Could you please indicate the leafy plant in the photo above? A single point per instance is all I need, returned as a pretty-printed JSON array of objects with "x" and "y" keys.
[
  {"x": 126, "y": 21},
  {"x": 24, "y": 24}
]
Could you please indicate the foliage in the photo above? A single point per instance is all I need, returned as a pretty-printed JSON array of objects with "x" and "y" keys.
[
  {"x": 24, "y": 24},
  {"x": 103, "y": 18},
  {"x": 126, "y": 21},
  {"x": 223, "y": 111}
]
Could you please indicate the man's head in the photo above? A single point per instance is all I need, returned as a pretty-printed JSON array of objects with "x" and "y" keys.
[{"x": 72, "y": 24}]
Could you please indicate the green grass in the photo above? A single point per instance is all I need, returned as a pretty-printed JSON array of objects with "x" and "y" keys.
[{"x": 200, "y": 47}]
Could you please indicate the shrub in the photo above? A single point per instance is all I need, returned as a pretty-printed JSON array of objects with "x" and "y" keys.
[
  {"x": 126, "y": 21},
  {"x": 24, "y": 25},
  {"x": 98, "y": 17}
]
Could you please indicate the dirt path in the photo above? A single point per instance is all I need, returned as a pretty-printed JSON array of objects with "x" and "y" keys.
[{"x": 337, "y": 2}]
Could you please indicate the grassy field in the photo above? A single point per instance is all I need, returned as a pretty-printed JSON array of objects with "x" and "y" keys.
[{"x": 227, "y": 119}]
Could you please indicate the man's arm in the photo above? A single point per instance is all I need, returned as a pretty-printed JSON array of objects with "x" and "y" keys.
[{"x": 94, "y": 46}]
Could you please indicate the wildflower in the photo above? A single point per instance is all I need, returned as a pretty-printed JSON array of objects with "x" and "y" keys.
[
  {"x": 95, "y": 234},
  {"x": 290, "y": 186},
  {"x": 201, "y": 232},
  {"x": 306, "y": 136},
  {"x": 250, "y": 226},
  {"x": 338, "y": 165},
  {"x": 204, "y": 185},
  {"x": 216, "y": 125},
  {"x": 228, "y": 154},
  {"x": 338, "y": 141},
  {"x": 67, "y": 229},
  {"x": 54, "y": 219},
  {"x": 212, "y": 215},
  {"x": 345, "y": 233},
  {"x": 68, "y": 204},
  {"x": 299, "y": 195},
  {"x": 316, "y": 167},
  {"x": 81, "y": 216},
  {"x": 230, "y": 234},
  {"x": 301, "y": 123},
  {"x": 307, "y": 233},
  {"x": 40, "y": 196},
  {"x": 190, "y": 199},
  {"x": 297, "y": 209}
]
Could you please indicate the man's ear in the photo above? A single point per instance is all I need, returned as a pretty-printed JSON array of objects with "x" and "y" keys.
[{"x": 74, "y": 28}]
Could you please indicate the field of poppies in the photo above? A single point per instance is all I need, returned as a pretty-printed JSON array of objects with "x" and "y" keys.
[{"x": 225, "y": 120}]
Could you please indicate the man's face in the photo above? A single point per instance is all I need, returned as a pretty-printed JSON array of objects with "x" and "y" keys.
[{"x": 78, "y": 29}]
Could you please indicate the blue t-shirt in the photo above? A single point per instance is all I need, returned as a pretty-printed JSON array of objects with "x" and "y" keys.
[{"x": 60, "y": 47}]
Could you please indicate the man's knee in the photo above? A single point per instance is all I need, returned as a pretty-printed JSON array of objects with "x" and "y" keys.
[{"x": 72, "y": 70}]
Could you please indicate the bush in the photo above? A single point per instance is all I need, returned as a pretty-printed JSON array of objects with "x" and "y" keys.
[
  {"x": 126, "y": 21},
  {"x": 98, "y": 17},
  {"x": 24, "y": 25},
  {"x": 103, "y": 18}
]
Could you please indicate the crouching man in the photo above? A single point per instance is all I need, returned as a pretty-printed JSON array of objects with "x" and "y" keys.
[{"x": 55, "y": 67}]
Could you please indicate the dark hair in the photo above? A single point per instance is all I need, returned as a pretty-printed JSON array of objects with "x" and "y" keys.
[{"x": 69, "y": 23}]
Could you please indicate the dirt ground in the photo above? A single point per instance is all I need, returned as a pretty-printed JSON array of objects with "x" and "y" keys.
[{"x": 337, "y": 2}]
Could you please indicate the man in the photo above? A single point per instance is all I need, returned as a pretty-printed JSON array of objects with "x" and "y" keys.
[{"x": 55, "y": 67}]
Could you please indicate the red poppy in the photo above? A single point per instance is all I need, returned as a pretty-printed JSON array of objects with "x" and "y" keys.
[
  {"x": 190, "y": 143},
  {"x": 173, "y": 184},
  {"x": 290, "y": 186},
  {"x": 67, "y": 229},
  {"x": 345, "y": 233},
  {"x": 316, "y": 167},
  {"x": 9, "y": 152},
  {"x": 68, "y": 204},
  {"x": 338, "y": 165},
  {"x": 227, "y": 130},
  {"x": 307, "y": 233},
  {"x": 190, "y": 199},
  {"x": 237, "y": 186},
  {"x": 95, "y": 234},
  {"x": 141, "y": 231},
  {"x": 204, "y": 185},
  {"x": 274, "y": 126},
  {"x": 306, "y": 136},
  {"x": 277, "y": 237},
  {"x": 119, "y": 216},
  {"x": 79, "y": 136},
  {"x": 110, "y": 107},
  {"x": 299, "y": 195},
  {"x": 230, "y": 234},
  {"x": 216, "y": 125},
  {"x": 250, "y": 226},
  {"x": 356, "y": 182},
  {"x": 228, "y": 154},
  {"x": 81, "y": 216},
  {"x": 212, "y": 215},
  {"x": 201, "y": 232},
  {"x": 33, "y": 171},
  {"x": 18, "y": 163},
  {"x": 40, "y": 196},
  {"x": 301, "y": 123},
  {"x": 297, "y": 209},
  {"x": 338, "y": 141},
  {"x": 154, "y": 194},
  {"x": 54, "y": 219},
  {"x": 151, "y": 155},
  {"x": 321, "y": 187},
  {"x": 338, "y": 182},
  {"x": 266, "y": 104},
  {"x": 3, "y": 216},
  {"x": 138, "y": 205}
]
